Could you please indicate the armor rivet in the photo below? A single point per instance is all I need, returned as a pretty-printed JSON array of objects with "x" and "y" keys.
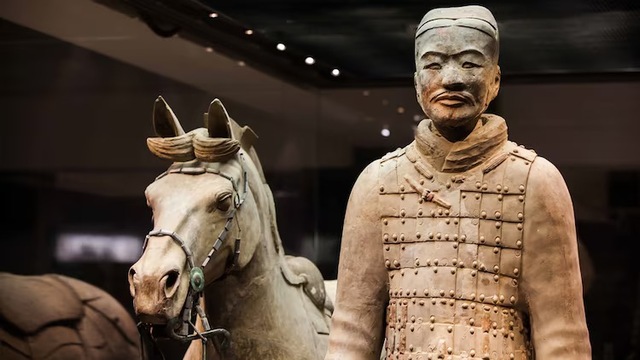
[
  {"x": 520, "y": 216},
  {"x": 499, "y": 187},
  {"x": 439, "y": 211},
  {"x": 521, "y": 198},
  {"x": 391, "y": 275},
  {"x": 464, "y": 195},
  {"x": 417, "y": 262},
  {"x": 432, "y": 319},
  {"x": 408, "y": 292},
  {"x": 402, "y": 247},
  {"x": 415, "y": 271},
  {"x": 452, "y": 302},
  {"x": 453, "y": 271},
  {"x": 429, "y": 357},
  {"x": 516, "y": 150},
  {"x": 465, "y": 305},
  {"x": 514, "y": 282},
  {"x": 463, "y": 237},
  {"x": 495, "y": 297},
  {"x": 473, "y": 306},
  {"x": 495, "y": 309},
  {"x": 435, "y": 269},
  {"x": 474, "y": 264},
  {"x": 519, "y": 226},
  {"x": 401, "y": 196},
  {"x": 485, "y": 186},
  {"x": 421, "y": 302},
  {"x": 498, "y": 224},
  {"x": 478, "y": 196},
  {"x": 430, "y": 235},
  {"x": 385, "y": 221},
  {"x": 478, "y": 185},
  {"x": 482, "y": 267},
  {"x": 472, "y": 330},
  {"x": 394, "y": 237},
  {"x": 428, "y": 262},
  {"x": 401, "y": 187},
  {"x": 418, "y": 235},
  {"x": 396, "y": 263},
  {"x": 443, "y": 301},
  {"x": 385, "y": 237},
  {"x": 512, "y": 356},
  {"x": 512, "y": 299},
  {"x": 483, "y": 214},
  {"x": 501, "y": 298},
  {"x": 473, "y": 273},
  {"x": 419, "y": 212},
  {"x": 429, "y": 176},
  {"x": 494, "y": 325},
  {"x": 452, "y": 293},
  {"x": 495, "y": 333},
  {"x": 472, "y": 353},
  {"x": 438, "y": 236},
  {"x": 499, "y": 197},
  {"x": 420, "y": 200},
  {"x": 497, "y": 240},
  {"x": 496, "y": 250},
  {"x": 448, "y": 185},
  {"x": 472, "y": 321},
  {"x": 454, "y": 261},
  {"x": 441, "y": 292},
  {"x": 435, "y": 262},
  {"x": 455, "y": 237},
  {"x": 516, "y": 271},
  {"x": 446, "y": 212},
  {"x": 391, "y": 294},
  {"x": 519, "y": 243},
  {"x": 496, "y": 268},
  {"x": 506, "y": 189},
  {"x": 447, "y": 221},
  {"x": 498, "y": 214},
  {"x": 405, "y": 302},
  {"x": 426, "y": 292},
  {"x": 449, "y": 328},
  {"x": 449, "y": 350},
  {"x": 403, "y": 213},
  {"x": 421, "y": 181},
  {"x": 487, "y": 308},
  {"x": 512, "y": 336},
  {"x": 455, "y": 221},
  {"x": 481, "y": 297},
  {"x": 415, "y": 292},
  {"x": 401, "y": 237},
  {"x": 461, "y": 264},
  {"x": 387, "y": 248},
  {"x": 431, "y": 327},
  {"x": 433, "y": 213},
  {"x": 482, "y": 238},
  {"x": 387, "y": 263},
  {"x": 521, "y": 188},
  {"x": 401, "y": 272},
  {"x": 411, "y": 346},
  {"x": 513, "y": 158}
]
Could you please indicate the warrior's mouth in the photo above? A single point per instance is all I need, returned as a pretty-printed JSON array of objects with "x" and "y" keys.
[{"x": 452, "y": 99}]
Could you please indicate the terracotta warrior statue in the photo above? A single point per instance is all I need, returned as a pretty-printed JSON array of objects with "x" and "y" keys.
[{"x": 462, "y": 245}]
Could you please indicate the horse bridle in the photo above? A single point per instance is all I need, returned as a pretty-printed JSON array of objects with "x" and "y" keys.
[{"x": 187, "y": 331}]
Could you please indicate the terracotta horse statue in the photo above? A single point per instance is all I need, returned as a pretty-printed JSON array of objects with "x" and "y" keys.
[
  {"x": 52, "y": 316},
  {"x": 215, "y": 258}
]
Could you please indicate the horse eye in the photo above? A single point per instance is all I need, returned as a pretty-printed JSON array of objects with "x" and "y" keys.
[{"x": 224, "y": 202}]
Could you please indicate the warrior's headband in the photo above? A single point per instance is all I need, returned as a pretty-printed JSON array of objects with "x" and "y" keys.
[{"x": 473, "y": 16}]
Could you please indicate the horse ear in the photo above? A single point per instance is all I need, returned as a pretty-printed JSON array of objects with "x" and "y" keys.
[
  {"x": 165, "y": 122},
  {"x": 217, "y": 120}
]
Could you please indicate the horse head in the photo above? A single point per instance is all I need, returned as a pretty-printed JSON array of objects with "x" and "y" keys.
[{"x": 204, "y": 212}]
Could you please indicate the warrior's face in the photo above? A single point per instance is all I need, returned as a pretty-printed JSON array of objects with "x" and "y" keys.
[{"x": 457, "y": 75}]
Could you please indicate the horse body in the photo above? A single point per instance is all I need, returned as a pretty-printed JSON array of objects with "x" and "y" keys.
[{"x": 214, "y": 196}]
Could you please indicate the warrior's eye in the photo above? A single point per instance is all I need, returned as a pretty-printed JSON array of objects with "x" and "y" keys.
[
  {"x": 432, "y": 66},
  {"x": 469, "y": 65},
  {"x": 224, "y": 202}
]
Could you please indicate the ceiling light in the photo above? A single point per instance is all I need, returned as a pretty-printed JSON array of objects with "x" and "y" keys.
[
  {"x": 385, "y": 102},
  {"x": 248, "y": 32},
  {"x": 213, "y": 15},
  {"x": 365, "y": 93},
  {"x": 385, "y": 131},
  {"x": 400, "y": 110},
  {"x": 208, "y": 49},
  {"x": 335, "y": 72},
  {"x": 417, "y": 117},
  {"x": 309, "y": 60},
  {"x": 241, "y": 63},
  {"x": 281, "y": 47}
]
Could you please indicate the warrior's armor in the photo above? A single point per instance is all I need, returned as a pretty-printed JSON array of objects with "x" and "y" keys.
[{"x": 452, "y": 243}]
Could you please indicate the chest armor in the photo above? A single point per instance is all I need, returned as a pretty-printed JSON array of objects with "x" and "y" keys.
[{"x": 452, "y": 245}]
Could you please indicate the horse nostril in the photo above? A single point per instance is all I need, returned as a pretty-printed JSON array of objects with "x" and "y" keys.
[
  {"x": 132, "y": 288},
  {"x": 170, "y": 282}
]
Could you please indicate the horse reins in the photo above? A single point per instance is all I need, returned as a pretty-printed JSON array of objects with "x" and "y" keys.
[{"x": 187, "y": 331}]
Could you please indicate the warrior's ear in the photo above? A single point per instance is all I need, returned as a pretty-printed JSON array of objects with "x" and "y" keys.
[
  {"x": 217, "y": 120},
  {"x": 165, "y": 122}
]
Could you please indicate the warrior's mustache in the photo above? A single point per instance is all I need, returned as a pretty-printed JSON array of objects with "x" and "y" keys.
[{"x": 458, "y": 95}]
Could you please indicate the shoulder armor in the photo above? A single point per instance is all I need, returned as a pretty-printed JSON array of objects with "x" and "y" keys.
[
  {"x": 521, "y": 152},
  {"x": 393, "y": 154}
]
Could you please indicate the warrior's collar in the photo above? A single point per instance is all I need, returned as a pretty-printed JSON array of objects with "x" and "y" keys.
[{"x": 483, "y": 142}]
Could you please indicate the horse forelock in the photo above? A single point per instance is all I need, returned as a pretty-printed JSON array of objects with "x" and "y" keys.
[{"x": 195, "y": 144}]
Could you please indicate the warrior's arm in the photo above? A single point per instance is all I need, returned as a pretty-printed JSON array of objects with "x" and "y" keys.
[
  {"x": 551, "y": 283},
  {"x": 361, "y": 297}
]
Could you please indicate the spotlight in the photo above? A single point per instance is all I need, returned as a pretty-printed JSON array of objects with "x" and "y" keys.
[
  {"x": 335, "y": 72},
  {"x": 309, "y": 60},
  {"x": 400, "y": 110},
  {"x": 241, "y": 63},
  {"x": 385, "y": 131},
  {"x": 248, "y": 32},
  {"x": 213, "y": 15},
  {"x": 417, "y": 117},
  {"x": 208, "y": 49},
  {"x": 281, "y": 47}
]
